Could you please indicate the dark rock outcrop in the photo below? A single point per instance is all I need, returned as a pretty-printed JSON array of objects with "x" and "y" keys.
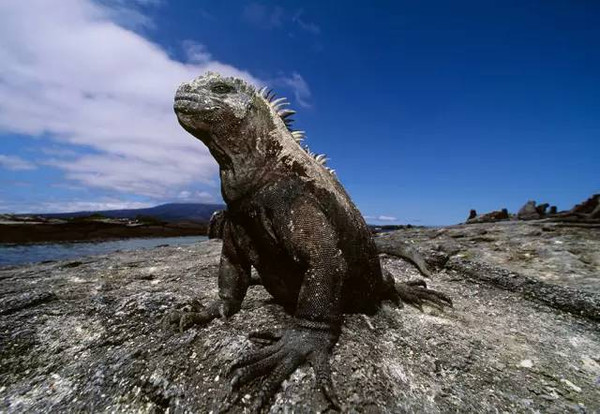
[
  {"x": 490, "y": 217},
  {"x": 528, "y": 211},
  {"x": 472, "y": 214},
  {"x": 588, "y": 206},
  {"x": 595, "y": 214},
  {"x": 585, "y": 213},
  {"x": 541, "y": 209}
]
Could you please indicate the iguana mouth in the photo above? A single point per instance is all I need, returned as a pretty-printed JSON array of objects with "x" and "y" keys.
[
  {"x": 187, "y": 103},
  {"x": 193, "y": 97},
  {"x": 193, "y": 110}
]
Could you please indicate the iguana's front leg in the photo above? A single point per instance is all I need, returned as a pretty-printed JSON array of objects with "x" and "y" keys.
[
  {"x": 234, "y": 279},
  {"x": 308, "y": 236}
]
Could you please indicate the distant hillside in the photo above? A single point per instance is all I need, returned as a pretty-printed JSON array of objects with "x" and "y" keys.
[{"x": 166, "y": 212}]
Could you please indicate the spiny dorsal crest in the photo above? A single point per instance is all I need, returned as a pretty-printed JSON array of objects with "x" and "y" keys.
[
  {"x": 298, "y": 136},
  {"x": 278, "y": 106}
]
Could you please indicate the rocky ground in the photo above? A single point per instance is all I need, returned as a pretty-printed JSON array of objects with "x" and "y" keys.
[
  {"x": 564, "y": 254},
  {"x": 84, "y": 335}
]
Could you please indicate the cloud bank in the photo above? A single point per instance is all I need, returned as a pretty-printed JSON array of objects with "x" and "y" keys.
[
  {"x": 72, "y": 74},
  {"x": 14, "y": 163},
  {"x": 381, "y": 218}
]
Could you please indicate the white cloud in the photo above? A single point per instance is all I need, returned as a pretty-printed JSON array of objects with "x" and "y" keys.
[
  {"x": 305, "y": 25},
  {"x": 262, "y": 16},
  {"x": 70, "y": 72},
  {"x": 299, "y": 87},
  {"x": 127, "y": 16},
  {"x": 386, "y": 218},
  {"x": 71, "y": 206},
  {"x": 15, "y": 163},
  {"x": 381, "y": 218},
  {"x": 196, "y": 197},
  {"x": 196, "y": 52},
  {"x": 270, "y": 17}
]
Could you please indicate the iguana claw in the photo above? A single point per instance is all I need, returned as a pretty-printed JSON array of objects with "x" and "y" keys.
[
  {"x": 193, "y": 314},
  {"x": 288, "y": 350}
]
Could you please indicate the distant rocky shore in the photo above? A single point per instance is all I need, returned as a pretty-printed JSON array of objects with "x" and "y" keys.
[
  {"x": 36, "y": 229},
  {"x": 587, "y": 212}
]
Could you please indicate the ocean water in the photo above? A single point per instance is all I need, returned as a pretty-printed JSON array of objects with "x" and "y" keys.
[{"x": 17, "y": 254}]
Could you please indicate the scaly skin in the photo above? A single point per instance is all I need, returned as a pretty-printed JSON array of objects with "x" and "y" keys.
[{"x": 288, "y": 217}]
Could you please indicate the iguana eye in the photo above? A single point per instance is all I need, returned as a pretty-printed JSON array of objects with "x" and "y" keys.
[{"x": 222, "y": 88}]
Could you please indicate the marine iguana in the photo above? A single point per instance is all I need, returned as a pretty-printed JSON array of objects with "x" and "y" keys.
[{"x": 290, "y": 218}]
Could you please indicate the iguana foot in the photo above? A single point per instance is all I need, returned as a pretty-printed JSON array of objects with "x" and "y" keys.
[
  {"x": 416, "y": 293},
  {"x": 194, "y": 314},
  {"x": 286, "y": 351}
]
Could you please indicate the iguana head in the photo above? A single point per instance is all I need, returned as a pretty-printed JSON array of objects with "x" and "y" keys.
[
  {"x": 215, "y": 110},
  {"x": 247, "y": 130}
]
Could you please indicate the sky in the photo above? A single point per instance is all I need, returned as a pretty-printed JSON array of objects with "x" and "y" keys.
[{"x": 426, "y": 109}]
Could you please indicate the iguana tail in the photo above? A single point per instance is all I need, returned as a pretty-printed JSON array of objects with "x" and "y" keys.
[
  {"x": 413, "y": 292},
  {"x": 403, "y": 251}
]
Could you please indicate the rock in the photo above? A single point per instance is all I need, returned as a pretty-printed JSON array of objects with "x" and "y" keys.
[
  {"x": 585, "y": 213},
  {"x": 87, "y": 338},
  {"x": 472, "y": 214},
  {"x": 550, "y": 251},
  {"x": 528, "y": 211},
  {"x": 595, "y": 214},
  {"x": 490, "y": 217},
  {"x": 588, "y": 206},
  {"x": 541, "y": 209},
  {"x": 28, "y": 299}
]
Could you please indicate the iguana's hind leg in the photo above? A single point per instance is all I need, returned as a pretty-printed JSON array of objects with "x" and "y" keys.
[{"x": 234, "y": 279}]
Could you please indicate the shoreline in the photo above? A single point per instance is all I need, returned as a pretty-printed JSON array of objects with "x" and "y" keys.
[
  {"x": 36, "y": 233},
  {"x": 14, "y": 255}
]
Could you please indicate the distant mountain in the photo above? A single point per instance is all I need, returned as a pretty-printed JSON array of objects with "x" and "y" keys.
[{"x": 166, "y": 212}]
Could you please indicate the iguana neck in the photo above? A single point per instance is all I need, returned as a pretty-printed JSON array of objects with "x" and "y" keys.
[
  {"x": 237, "y": 182},
  {"x": 246, "y": 160}
]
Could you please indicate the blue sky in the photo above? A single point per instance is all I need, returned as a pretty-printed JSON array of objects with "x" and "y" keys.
[{"x": 426, "y": 108}]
